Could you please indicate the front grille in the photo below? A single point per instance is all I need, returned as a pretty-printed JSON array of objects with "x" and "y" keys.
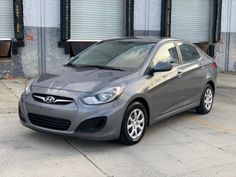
[
  {"x": 49, "y": 122},
  {"x": 59, "y": 100}
]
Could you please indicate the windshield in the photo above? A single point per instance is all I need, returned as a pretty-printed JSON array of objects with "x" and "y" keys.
[{"x": 115, "y": 54}]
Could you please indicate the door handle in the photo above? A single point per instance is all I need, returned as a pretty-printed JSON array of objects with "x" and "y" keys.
[
  {"x": 180, "y": 73},
  {"x": 202, "y": 66}
]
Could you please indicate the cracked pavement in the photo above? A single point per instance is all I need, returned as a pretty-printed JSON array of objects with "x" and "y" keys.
[{"x": 186, "y": 145}]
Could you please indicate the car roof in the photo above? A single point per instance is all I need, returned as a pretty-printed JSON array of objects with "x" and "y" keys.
[{"x": 142, "y": 39}]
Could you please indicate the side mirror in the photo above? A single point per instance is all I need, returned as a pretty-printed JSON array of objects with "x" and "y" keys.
[{"x": 162, "y": 67}]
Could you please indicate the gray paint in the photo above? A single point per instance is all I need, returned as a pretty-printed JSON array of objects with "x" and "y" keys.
[{"x": 156, "y": 89}]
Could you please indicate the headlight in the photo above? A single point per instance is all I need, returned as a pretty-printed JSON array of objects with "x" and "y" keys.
[
  {"x": 28, "y": 86},
  {"x": 104, "y": 96}
]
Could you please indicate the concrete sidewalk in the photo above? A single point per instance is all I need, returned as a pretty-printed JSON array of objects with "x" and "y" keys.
[
  {"x": 226, "y": 80},
  {"x": 10, "y": 91},
  {"x": 186, "y": 145}
]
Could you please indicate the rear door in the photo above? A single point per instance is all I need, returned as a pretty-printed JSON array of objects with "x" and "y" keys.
[{"x": 191, "y": 73}]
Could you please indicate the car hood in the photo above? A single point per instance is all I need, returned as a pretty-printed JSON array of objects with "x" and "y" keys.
[{"x": 80, "y": 79}]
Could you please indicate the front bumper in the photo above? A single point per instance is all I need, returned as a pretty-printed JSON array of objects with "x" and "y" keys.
[{"x": 76, "y": 113}]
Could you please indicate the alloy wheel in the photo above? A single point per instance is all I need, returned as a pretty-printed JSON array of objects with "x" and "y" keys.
[
  {"x": 208, "y": 99},
  {"x": 136, "y": 124}
]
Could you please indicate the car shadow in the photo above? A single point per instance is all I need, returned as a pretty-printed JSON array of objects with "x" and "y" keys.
[{"x": 50, "y": 140}]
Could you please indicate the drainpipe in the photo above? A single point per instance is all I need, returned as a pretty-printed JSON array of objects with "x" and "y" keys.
[
  {"x": 129, "y": 17},
  {"x": 228, "y": 30},
  {"x": 42, "y": 40},
  {"x": 166, "y": 18}
]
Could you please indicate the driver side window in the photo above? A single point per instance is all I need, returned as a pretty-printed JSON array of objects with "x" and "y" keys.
[{"x": 167, "y": 53}]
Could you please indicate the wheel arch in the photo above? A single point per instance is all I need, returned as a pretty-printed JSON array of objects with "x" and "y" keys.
[
  {"x": 145, "y": 103},
  {"x": 212, "y": 84}
]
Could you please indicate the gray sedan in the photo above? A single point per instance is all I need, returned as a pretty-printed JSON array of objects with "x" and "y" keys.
[{"x": 116, "y": 88}]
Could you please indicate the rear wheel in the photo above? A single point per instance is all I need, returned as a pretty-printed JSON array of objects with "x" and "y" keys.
[
  {"x": 206, "y": 100},
  {"x": 134, "y": 124}
]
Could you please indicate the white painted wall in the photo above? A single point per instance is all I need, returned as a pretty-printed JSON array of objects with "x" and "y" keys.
[
  {"x": 226, "y": 15},
  {"x": 225, "y": 49},
  {"x": 233, "y": 17},
  {"x": 42, "y": 13},
  {"x": 147, "y": 15}
]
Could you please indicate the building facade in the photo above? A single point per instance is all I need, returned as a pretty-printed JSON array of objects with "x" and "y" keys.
[{"x": 37, "y": 36}]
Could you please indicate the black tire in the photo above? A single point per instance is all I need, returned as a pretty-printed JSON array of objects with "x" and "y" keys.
[
  {"x": 125, "y": 137},
  {"x": 203, "y": 108}
]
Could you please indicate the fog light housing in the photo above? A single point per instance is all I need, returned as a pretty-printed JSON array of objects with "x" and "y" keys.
[
  {"x": 21, "y": 116},
  {"x": 92, "y": 125}
]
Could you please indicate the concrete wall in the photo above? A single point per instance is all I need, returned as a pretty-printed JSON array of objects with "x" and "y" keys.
[
  {"x": 225, "y": 49},
  {"x": 6, "y": 69},
  {"x": 232, "y": 48}
]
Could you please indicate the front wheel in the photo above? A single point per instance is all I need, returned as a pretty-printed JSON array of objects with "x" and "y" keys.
[
  {"x": 207, "y": 99},
  {"x": 134, "y": 124}
]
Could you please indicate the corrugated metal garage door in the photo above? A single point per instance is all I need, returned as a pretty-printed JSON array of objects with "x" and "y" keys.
[
  {"x": 97, "y": 19},
  {"x": 6, "y": 19},
  {"x": 190, "y": 20}
]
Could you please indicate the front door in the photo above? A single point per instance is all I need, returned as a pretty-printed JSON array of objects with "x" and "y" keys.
[{"x": 166, "y": 88}]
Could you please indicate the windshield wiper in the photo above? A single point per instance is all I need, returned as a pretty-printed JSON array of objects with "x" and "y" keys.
[
  {"x": 94, "y": 66},
  {"x": 70, "y": 65},
  {"x": 101, "y": 67}
]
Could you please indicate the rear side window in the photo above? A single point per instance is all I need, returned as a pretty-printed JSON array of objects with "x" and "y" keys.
[{"x": 189, "y": 53}]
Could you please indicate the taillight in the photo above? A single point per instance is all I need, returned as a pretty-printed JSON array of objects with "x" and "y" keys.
[{"x": 214, "y": 65}]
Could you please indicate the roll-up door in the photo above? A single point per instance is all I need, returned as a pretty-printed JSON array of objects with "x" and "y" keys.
[
  {"x": 190, "y": 20},
  {"x": 97, "y": 19},
  {"x": 6, "y": 19}
]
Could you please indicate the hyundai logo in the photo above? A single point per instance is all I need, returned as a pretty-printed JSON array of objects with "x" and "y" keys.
[{"x": 49, "y": 99}]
